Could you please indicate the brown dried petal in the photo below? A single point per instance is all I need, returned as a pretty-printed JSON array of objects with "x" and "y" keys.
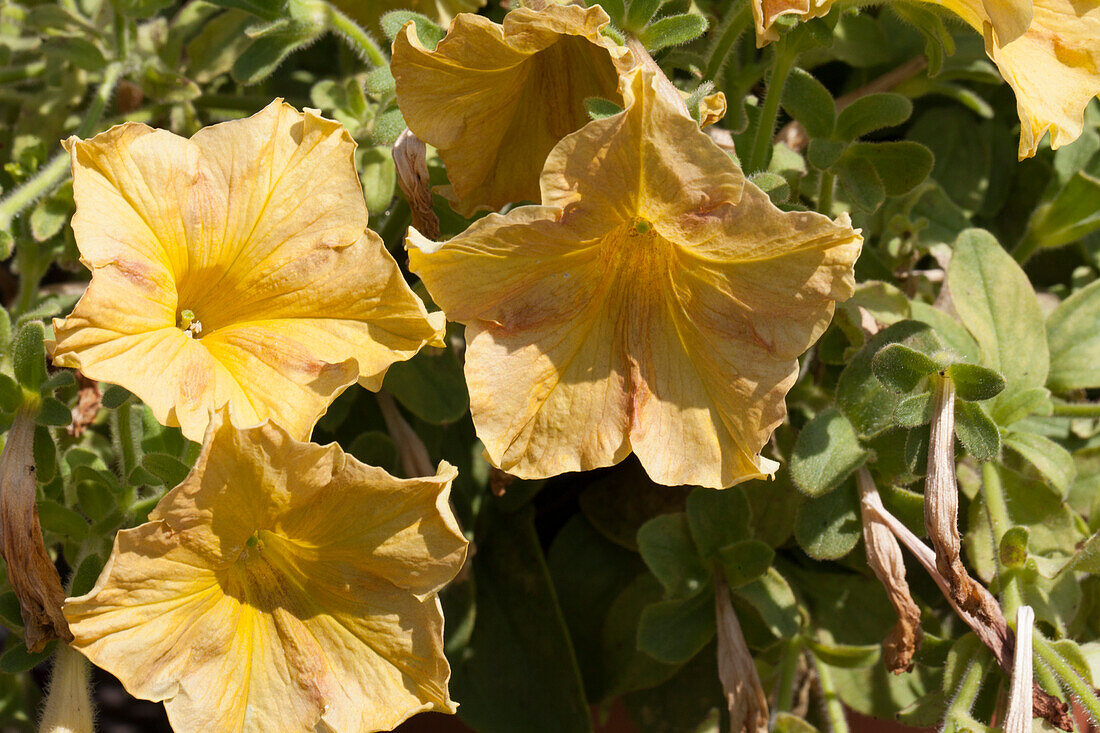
[
  {"x": 748, "y": 705},
  {"x": 411, "y": 159},
  {"x": 31, "y": 573},
  {"x": 88, "y": 401},
  {"x": 885, "y": 558}
]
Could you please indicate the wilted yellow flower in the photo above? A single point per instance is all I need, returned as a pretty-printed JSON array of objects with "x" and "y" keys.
[
  {"x": 494, "y": 100},
  {"x": 1047, "y": 50},
  {"x": 656, "y": 303},
  {"x": 234, "y": 268},
  {"x": 283, "y": 586}
]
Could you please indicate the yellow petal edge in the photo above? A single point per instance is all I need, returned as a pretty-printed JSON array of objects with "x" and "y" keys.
[
  {"x": 495, "y": 99},
  {"x": 234, "y": 268},
  {"x": 656, "y": 303},
  {"x": 283, "y": 586},
  {"x": 1047, "y": 50}
]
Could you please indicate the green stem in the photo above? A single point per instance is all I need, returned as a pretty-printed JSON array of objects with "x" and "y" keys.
[
  {"x": 127, "y": 453},
  {"x": 788, "y": 668},
  {"x": 1077, "y": 409},
  {"x": 732, "y": 28},
  {"x": 31, "y": 70},
  {"x": 825, "y": 192},
  {"x": 834, "y": 708},
  {"x": 1080, "y": 689},
  {"x": 966, "y": 693},
  {"x": 356, "y": 37},
  {"x": 1026, "y": 247},
  {"x": 782, "y": 64},
  {"x": 50, "y": 175},
  {"x": 999, "y": 522}
]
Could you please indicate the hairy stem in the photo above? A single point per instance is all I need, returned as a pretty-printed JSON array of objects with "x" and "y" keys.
[
  {"x": 1068, "y": 675},
  {"x": 782, "y": 64},
  {"x": 356, "y": 37}
]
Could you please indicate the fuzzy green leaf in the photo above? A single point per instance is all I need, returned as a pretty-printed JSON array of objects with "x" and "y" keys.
[{"x": 826, "y": 452}]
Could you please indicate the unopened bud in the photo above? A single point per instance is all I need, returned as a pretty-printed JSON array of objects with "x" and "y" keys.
[
  {"x": 69, "y": 702},
  {"x": 31, "y": 573},
  {"x": 410, "y": 156},
  {"x": 1018, "y": 718},
  {"x": 885, "y": 558},
  {"x": 745, "y": 698}
]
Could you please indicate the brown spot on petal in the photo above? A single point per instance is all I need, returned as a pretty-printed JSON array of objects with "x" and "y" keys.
[{"x": 88, "y": 401}]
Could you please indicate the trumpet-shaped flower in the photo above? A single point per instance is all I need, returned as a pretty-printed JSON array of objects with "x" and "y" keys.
[
  {"x": 1047, "y": 50},
  {"x": 234, "y": 268},
  {"x": 656, "y": 303},
  {"x": 495, "y": 99},
  {"x": 283, "y": 586}
]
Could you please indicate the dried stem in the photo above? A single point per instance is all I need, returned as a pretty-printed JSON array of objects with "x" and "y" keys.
[{"x": 748, "y": 705}]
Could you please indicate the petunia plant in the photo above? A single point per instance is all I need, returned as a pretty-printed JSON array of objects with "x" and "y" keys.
[{"x": 549, "y": 365}]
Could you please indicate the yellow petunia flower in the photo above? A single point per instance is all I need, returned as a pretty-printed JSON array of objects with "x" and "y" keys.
[
  {"x": 656, "y": 303},
  {"x": 1047, "y": 50},
  {"x": 234, "y": 268},
  {"x": 495, "y": 99},
  {"x": 283, "y": 586}
]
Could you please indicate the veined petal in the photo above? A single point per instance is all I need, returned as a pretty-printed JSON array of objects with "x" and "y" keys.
[
  {"x": 495, "y": 99},
  {"x": 656, "y": 303},
  {"x": 301, "y": 575},
  {"x": 239, "y": 260}
]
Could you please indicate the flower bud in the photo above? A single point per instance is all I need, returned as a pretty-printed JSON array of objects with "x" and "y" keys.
[{"x": 410, "y": 157}]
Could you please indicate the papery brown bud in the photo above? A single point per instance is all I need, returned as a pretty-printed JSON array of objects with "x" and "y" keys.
[
  {"x": 748, "y": 705},
  {"x": 31, "y": 573},
  {"x": 69, "y": 703},
  {"x": 941, "y": 504},
  {"x": 885, "y": 558},
  {"x": 88, "y": 401},
  {"x": 410, "y": 156}
]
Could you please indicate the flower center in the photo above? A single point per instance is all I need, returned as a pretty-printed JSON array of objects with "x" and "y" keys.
[{"x": 189, "y": 324}]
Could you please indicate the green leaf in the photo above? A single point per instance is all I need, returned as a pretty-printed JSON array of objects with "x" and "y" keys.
[
  {"x": 744, "y": 562},
  {"x": 639, "y": 13},
  {"x": 674, "y": 30},
  {"x": 861, "y": 183},
  {"x": 689, "y": 702},
  {"x": 114, "y": 396},
  {"x": 1018, "y": 405},
  {"x": 29, "y": 355},
  {"x": 80, "y": 52},
  {"x": 17, "y": 659},
  {"x": 430, "y": 386},
  {"x": 914, "y": 410},
  {"x": 1070, "y": 216},
  {"x": 1053, "y": 462},
  {"x": 790, "y": 723},
  {"x": 61, "y": 520},
  {"x": 829, "y": 527},
  {"x": 599, "y": 108},
  {"x": 50, "y": 214},
  {"x": 826, "y": 452},
  {"x": 378, "y": 174},
  {"x": 266, "y": 52},
  {"x": 427, "y": 30},
  {"x": 675, "y": 630},
  {"x": 860, "y": 395},
  {"x": 668, "y": 550},
  {"x": 518, "y": 670},
  {"x": 901, "y": 369},
  {"x": 901, "y": 165},
  {"x": 11, "y": 394},
  {"x": 45, "y": 455},
  {"x": 873, "y": 112},
  {"x": 962, "y": 153},
  {"x": 53, "y": 412},
  {"x": 808, "y": 101},
  {"x": 975, "y": 383},
  {"x": 170, "y": 470},
  {"x": 266, "y": 9},
  {"x": 978, "y": 434},
  {"x": 376, "y": 448},
  {"x": 1075, "y": 341},
  {"x": 86, "y": 574},
  {"x": 823, "y": 154},
  {"x": 772, "y": 598},
  {"x": 614, "y": 9},
  {"x": 773, "y": 184},
  {"x": 846, "y": 656},
  {"x": 997, "y": 304},
  {"x": 621, "y": 664},
  {"x": 717, "y": 518}
]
